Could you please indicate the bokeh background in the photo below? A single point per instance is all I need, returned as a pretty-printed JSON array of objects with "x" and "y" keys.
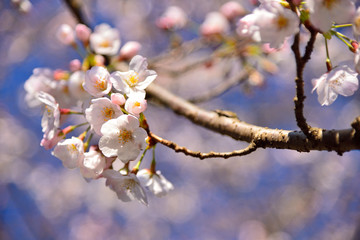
[{"x": 268, "y": 195}]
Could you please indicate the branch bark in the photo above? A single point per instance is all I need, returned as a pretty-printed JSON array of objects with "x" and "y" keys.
[{"x": 342, "y": 140}]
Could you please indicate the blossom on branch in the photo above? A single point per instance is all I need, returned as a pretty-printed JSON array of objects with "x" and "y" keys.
[
  {"x": 97, "y": 81},
  {"x": 214, "y": 24},
  {"x": 105, "y": 40},
  {"x": 341, "y": 80},
  {"x": 323, "y": 13},
  {"x": 156, "y": 182},
  {"x": 134, "y": 82},
  {"x": 127, "y": 187},
  {"x": 270, "y": 23},
  {"x": 100, "y": 111},
  {"x": 135, "y": 105},
  {"x": 50, "y": 121},
  {"x": 70, "y": 152},
  {"x": 93, "y": 164},
  {"x": 173, "y": 18},
  {"x": 123, "y": 138}
]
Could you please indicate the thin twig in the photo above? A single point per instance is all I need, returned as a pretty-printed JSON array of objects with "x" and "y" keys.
[{"x": 249, "y": 149}]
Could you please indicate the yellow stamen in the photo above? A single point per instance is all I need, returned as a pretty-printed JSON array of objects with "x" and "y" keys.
[
  {"x": 105, "y": 44},
  {"x": 137, "y": 104},
  {"x": 281, "y": 22},
  {"x": 125, "y": 136},
  {"x": 329, "y": 3},
  {"x": 108, "y": 113},
  {"x": 100, "y": 84},
  {"x": 132, "y": 79}
]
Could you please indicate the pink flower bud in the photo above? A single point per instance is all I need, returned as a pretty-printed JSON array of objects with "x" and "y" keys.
[
  {"x": 82, "y": 33},
  {"x": 130, "y": 49},
  {"x": 65, "y": 34},
  {"x": 118, "y": 98},
  {"x": 232, "y": 10},
  {"x": 75, "y": 65},
  {"x": 173, "y": 18},
  {"x": 135, "y": 105},
  {"x": 214, "y": 23}
]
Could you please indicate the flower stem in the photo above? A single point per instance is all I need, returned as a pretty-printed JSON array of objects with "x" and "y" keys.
[
  {"x": 328, "y": 61},
  {"x": 342, "y": 25},
  {"x": 136, "y": 168},
  {"x": 153, "y": 162},
  {"x": 86, "y": 145}
]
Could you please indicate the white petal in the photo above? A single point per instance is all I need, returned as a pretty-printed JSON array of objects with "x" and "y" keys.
[{"x": 138, "y": 64}]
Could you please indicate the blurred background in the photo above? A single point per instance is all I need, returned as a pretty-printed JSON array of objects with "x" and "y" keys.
[{"x": 267, "y": 195}]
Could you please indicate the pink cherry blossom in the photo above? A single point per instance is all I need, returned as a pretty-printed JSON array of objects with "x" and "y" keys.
[
  {"x": 97, "y": 81},
  {"x": 214, "y": 23},
  {"x": 50, "y": 121},
  {"x": 82, "y": 32},
  {"x": 118, "y": 98},
  {"x": 135, "y": 105},
  {"x": 232, "y": 9},
  {"x": 76, "y": 88},
  {"x": 173, "y": 18},
  {"x": 93, "y": 164},
  {"x": 130, "y": 49}
]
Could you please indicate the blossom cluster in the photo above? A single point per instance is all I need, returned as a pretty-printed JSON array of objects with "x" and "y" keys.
[{"x": 110, "y": 104}]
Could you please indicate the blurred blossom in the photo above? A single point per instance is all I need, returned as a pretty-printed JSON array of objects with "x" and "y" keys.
[
  {"x": 323, "y": 13},
  {"x": 173, "y": 18},
  {"x": 83, "y": 33},
  {"x": 232, "y": 9},
  {"x": 65, "y": 34},
  {"x": 105, "y": 40},
  {"x": 252, "y": 230},
  {"x": 75, "y": 65},
  {"x": 23, "y": 6},
  {"x": 214, "y": 23},
  {"x": 130, "y": 49}
]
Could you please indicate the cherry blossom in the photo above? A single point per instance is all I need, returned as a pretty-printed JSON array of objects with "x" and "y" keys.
[
  {"x": 65, "y": 34},
  {"x": 156, "y": 182},
  {"x": 40, "y": 80},
  {"x": 76, "y": 88},
  {"x": 214, "y": 23},
  {"x": 134, "y": 82},
  {"x": 341, "y": 80},
  {"x": 50, "y": 121},
  {"x": 127, "y": 187},
  {"x": 173, "y": 18},
  {"x": 122, "y": 137},
  {"x": 83, "y": 33},
  {"x": 232, "y": 9},
  {"x": 100, "y": 111},
  {"x": 357, "y": 61},
  {"x": 135, "y": 105},
  {"x": 93, "y": 164},
  {"x": 323, "y": 13},
  {"x": 97, "y": 81},
  {"x": 75, "y": 65},
  {"x": 105, "y": 40},
  {"x": 130, "y": 49},
  {"x": 270, "y": 23},
  {"x": 70, "y": 152},
  {"x": 356, "y": 24},
  {"x": 118, "y": 98},
  {"x": 49, "y": 143}
]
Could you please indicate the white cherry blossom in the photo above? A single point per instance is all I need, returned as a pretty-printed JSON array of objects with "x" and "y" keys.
[
  {"x": 270, "y": 23},
  {"x": 50, "y": 121},
  {"x": 76, "y": 88},
  {"x": 97, "y": 81},
  {"x": 156, "y": 182},
  {"x": 323, "y": 13},
  {"x": 356, "y": 24},
  {"x": 127, "y": 187},
  {"x": 105, "y": 40},
  {"x": 134, "y": 82},
  {"x": 93, "y": 164},
  {"x": 100, "y": 111},
  {"x": 232, "y": 9},
  {"x": 122, "y": 137},
  {"x": 130, "y": 49},
  {"x": 66, "y": 34},
  {"x": 41, "y": 80},
  {"x": 341, "y": 80},
  {"x": 357, "y": 61},
  {"x": 70, "y": 152}
]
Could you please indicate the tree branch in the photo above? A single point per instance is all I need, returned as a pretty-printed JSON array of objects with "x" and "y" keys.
[
  {"x": 75, "y": 8},
  {"x": 331, "y": 140},
  {"x": 249, "y": 149}
]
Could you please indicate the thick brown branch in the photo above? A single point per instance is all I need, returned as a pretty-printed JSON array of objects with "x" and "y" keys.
[
  {"x": 331, "y": 140},
  {"x": 249, "y": 149}
]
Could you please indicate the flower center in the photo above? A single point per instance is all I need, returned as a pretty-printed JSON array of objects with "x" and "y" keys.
[
  {"x": 137, "y": 104},
  {"x": 281, "y": 22},
  {"x": 72, "y": 148},
  {"x": 125, "y": 136},
  {"x": 329, "y": 3},
  {"x": 108, "y": 113},
  {"x": 105, "y": 44},
  {"x": 100, "y": 84},
  {"x": 132, "y": 79},
  {"x": 357, "y": 22}
]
